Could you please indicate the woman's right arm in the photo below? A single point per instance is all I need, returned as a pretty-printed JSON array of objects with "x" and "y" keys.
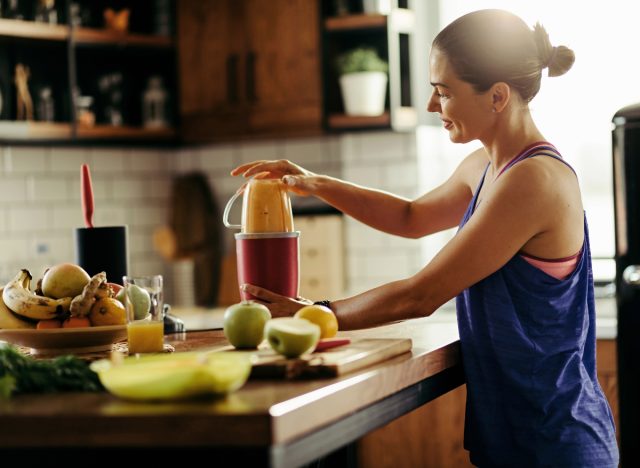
[{"x": 439, "y": 209}]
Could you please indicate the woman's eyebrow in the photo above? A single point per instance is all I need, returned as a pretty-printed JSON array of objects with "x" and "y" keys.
[{"x": 439, "y": 84}]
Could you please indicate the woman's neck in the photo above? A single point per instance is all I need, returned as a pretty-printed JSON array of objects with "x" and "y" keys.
[{"x": 514, "y": 130}]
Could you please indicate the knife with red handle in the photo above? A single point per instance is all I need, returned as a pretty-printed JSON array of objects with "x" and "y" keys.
[
  {"x": 329, "y": 343},
  {"x": 87, "y": 195}
]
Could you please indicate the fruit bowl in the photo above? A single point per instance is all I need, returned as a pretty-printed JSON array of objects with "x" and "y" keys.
[{"x": 66, "y": 340}]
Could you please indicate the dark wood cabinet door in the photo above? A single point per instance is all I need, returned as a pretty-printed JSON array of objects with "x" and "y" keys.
[
  {"x": 283, "y": 64},
  {"x": 211, "y": 68}
]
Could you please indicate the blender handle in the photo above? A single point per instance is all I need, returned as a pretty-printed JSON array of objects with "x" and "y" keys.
[{"x": 227, "y": 209}]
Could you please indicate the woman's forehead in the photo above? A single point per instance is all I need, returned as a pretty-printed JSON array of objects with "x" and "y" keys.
[{"x": 440, "y": 70}]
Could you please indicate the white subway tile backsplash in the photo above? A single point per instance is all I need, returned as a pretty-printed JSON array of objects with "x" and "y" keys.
[
  {"x": 26, "y": 159},
  {"x": 144, "y": 265},
  {"x": 148, "y": 161},
  {"x": 13, "y": 189},
  {"x": 350, "y": 148},
  {"x": 129, "y": 189},
  {"x": 66, "y": 217},
  {"x": 45, "y": 189},
  {"x": 28, "y": 219},
  {"x": 400, "y": 174},
  {"x": 68, "y": 160},
  {"x": 108, "y": 160},
  {"x": 147, "y": 214},
  {"x": 306, "y": 152},
  {"x": 49, "y": 245},
  {"x": 185, "y": 160},
  {"x": 140, "y": 243},
  {"x": 110, "y": 215},
  {"x": 217, "y": 159},
  {"x": 14, "y": 249},
  {"x": 369, "y": 175},
  {"x": 255, "y": 151},
  {"x": 383, "y": 146}
]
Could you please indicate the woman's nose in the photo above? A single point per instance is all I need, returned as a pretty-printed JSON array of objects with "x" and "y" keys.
[{"x": 433, "y": 105}]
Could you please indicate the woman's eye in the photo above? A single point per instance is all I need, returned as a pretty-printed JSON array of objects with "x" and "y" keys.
[{"x": 441, "y": 95}]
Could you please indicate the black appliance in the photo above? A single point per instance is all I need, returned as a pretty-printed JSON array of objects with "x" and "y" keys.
[{"x": 626, "y": 181}]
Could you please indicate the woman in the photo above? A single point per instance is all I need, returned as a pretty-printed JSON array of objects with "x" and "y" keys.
[{"x": 519, "y": 264}]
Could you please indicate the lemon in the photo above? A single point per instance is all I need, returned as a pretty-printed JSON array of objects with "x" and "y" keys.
[{"x": 321, "y": 316}]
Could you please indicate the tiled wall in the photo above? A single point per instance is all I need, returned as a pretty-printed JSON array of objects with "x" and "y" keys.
[{"x": 40, "y": 196}]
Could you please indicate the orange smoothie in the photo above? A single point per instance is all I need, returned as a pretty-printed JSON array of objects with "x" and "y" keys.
[
  {"x": 145, "y": 337},
  {"x": 266, "y": 207}
]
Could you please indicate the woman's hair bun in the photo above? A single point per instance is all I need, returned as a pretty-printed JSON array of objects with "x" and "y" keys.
[{"x": 557, "y": 59}]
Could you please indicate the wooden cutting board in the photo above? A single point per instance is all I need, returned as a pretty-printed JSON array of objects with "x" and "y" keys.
[{"x": 358, "y": 354}]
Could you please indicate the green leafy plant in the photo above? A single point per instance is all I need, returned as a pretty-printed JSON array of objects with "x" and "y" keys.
[
  {"x": 360, "y": 59},
  {"x": 23, "y": 374}
]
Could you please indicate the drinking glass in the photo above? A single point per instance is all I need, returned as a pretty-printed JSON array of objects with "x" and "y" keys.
[{"x": 145, "y": 313}]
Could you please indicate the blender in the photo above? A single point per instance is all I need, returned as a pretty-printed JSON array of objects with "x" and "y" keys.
[{"x": 267, "y": 247}]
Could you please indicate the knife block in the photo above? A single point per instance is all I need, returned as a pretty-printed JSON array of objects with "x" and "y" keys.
[{"x": 103, "y": 249}]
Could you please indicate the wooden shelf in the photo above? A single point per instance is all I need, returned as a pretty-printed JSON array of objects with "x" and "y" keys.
[
  {"x": 12, "y": 130},
  {"x": 32, "y": 30},
  {"x": 351, "y": 22},
  {"x": 342, "y": 121},
  {"x": 90, "y": 36},
  {"x": 23, "y": 131},
  {"x": 124, "y": 132}
]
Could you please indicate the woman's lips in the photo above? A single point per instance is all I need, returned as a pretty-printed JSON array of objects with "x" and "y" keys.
[{"x": 447, "y": 124}]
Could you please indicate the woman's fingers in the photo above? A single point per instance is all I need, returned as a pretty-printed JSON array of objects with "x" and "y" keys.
[
  {"x": 263, "y": 294},
  {"x": 245, "y": 167},
  {"x": 273, "y": 169}
]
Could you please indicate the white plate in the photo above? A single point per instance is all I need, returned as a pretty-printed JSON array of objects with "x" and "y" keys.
[{"x": 66, "y": 340}]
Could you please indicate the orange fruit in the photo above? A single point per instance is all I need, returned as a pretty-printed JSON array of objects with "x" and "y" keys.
[
  {"x": 321, "y": 316},
  {"x": 48, "y": 324},
  {"x": 107, "y": 311},
  {"x": 76, "y": 322}
]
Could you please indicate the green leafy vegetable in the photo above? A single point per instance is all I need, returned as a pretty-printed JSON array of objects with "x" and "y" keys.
[{"x": 23, "y": 374}]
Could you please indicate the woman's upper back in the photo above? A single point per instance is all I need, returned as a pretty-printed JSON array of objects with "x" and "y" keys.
[{"x": 552, "y": 196}]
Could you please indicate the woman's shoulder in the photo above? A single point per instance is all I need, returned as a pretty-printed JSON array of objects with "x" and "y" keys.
[{"x": 473, "y": 166}]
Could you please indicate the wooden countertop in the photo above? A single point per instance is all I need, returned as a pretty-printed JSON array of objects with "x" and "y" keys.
[{"x": 263, "y": 413}]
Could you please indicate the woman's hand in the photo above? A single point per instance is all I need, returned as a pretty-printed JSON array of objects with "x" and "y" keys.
[
  {"x": 280, "y": 306},
  {"x": 299, "y": 180}
]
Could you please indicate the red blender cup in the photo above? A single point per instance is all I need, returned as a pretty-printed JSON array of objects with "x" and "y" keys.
[{"x": 267, "y": 249}]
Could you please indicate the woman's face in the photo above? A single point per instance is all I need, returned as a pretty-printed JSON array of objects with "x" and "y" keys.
[{"x": 466, "y": 114}]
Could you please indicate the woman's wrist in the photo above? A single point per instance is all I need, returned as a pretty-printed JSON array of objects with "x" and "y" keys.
[{"x": 325, "y": 303}]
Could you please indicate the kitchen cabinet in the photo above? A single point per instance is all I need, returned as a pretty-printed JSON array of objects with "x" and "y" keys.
[
  {"x": 67, "y": 61},
  {"x": 411, "y": 441},
  {"x": 390, "y": 31},
  {"x": 321, "y": 256},
  {"x": 249, "y": 68}
]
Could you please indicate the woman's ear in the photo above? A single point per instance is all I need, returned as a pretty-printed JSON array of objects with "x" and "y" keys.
[{"x": 500, "y": 95}]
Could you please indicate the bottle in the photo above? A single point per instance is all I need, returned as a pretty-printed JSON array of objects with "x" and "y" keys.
[
  {"x": 46, "y": 12},
  {"x": 46, "y": 108},
  {"x": 154, "y": 104}
]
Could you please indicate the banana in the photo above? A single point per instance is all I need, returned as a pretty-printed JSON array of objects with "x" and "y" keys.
[
  {"x": 9, "y": 320},
  {"x": 19, "y": 299}
]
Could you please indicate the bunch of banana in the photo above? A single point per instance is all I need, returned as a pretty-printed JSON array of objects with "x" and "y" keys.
[
  {"x": 9, "y": 320},
  {"x": 18, "y": 297}
]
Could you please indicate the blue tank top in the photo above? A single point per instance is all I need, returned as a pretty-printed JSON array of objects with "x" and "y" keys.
[{"x": 528, "y": 349}]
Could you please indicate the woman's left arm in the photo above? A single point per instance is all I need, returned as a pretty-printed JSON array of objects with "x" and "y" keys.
[{"x": 517, "y": 208}]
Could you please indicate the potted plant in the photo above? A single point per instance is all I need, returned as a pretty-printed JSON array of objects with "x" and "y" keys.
[{"x": 363, "y": 81}]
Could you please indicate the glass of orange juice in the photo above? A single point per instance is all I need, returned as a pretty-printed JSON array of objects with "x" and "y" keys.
[{"x": 145, "y": 314}]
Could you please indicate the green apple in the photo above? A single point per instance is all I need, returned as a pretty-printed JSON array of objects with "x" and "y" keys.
[
  {"x": 243, "y": 324},
  {"x": 139, "y": 298},
  {"x": 291, "y": 336}
]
